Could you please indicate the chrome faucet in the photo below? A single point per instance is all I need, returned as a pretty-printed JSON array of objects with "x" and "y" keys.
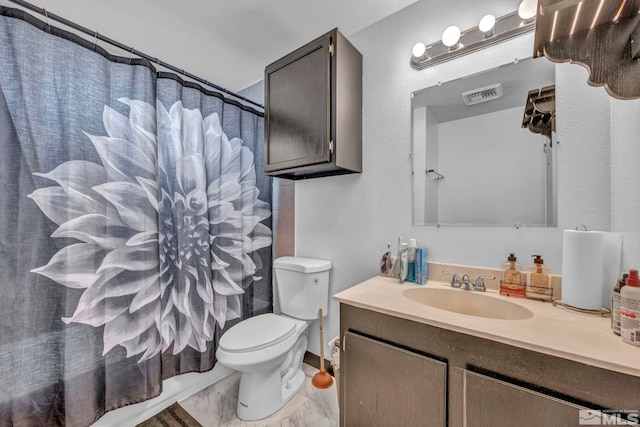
[
  {"x": 465, "y": 281},
  {"x": 455, "y": 283},
  {"x": 479, "y": 285}
]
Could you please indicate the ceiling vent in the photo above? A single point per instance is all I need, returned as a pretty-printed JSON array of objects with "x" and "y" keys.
[{"x": 483, "y": 94}]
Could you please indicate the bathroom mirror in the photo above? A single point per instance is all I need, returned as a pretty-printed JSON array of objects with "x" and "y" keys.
[{"x": 473, "y": 161}]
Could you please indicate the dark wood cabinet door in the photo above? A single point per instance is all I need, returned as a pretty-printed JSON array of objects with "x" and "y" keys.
[
  {"x": 297, "y": 115},
  {"x": 390, "y": 386},
  {"x": 496, "y": 403}
]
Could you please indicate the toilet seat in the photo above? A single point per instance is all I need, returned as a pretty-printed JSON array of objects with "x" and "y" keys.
[{"x": 257, "y": 333}]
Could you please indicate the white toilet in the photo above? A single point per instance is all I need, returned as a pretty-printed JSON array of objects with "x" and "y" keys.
[{"x": 268, "y": 349}]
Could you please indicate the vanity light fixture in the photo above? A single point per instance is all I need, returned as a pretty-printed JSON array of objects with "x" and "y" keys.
[
  {"x": 451, "y": 37},
  {"x": 419, "y": 50},
  {"x": 527, "y": 9},
  {"x": 487, "y": 24},
  {"x": 489, "y": 32}
]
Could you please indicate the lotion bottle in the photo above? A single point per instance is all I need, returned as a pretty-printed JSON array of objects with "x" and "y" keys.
[
  {"x": 630, "y": 310},
  {"x": 615, "y": 304},
  {"x": 512, "y": 277},
  {"x": 538, "y": 280}
]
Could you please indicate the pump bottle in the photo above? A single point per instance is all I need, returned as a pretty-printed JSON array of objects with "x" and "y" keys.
[
  {"x": 630, "y": 310},
  {"x": 538, "y": 282},
  {"x": 512, "y": 278}
]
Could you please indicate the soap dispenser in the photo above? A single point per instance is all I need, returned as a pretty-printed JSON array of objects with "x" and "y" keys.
[
  {"x": 512, "y": 277},
  {"x": 538, "y": 280}
]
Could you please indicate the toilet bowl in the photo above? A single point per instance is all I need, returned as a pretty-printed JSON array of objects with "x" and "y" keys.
[
  {"x": 271, "y": 365},
  {"x": 268, "y": 349}
]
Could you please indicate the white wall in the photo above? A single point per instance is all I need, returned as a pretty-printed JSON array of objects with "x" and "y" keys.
[
  {"x": 349, "y": 219},
  {"x": 494, "y": 170},
  {"x": 625, "y": 177}
]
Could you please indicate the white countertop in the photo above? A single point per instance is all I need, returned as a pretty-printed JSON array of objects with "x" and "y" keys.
[{"x": 556, "y": 331}]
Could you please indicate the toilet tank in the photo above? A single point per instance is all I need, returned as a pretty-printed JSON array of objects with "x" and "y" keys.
[{"x": 302, "y": 286}]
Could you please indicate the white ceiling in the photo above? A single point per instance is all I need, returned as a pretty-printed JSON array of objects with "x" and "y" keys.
[
  {"x": 226, "y": 42},
  {"x": 446, "y": 103}
]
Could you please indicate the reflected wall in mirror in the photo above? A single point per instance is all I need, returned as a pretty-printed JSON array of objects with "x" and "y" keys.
[{"x": 476, "y": 164}]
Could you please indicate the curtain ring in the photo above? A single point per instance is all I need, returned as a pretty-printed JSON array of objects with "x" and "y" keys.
[
  {"x": 95, "y": 40},
  {"x": 581, "y": 225},
  {"x": 130, "y": 55}
]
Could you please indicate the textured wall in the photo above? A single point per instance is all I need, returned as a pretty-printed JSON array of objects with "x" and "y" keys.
[
  {"x": 625, "y": 178},
  {"x": 349, "y": 219}
]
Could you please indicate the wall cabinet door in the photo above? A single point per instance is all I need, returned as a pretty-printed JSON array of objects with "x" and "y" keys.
[
  {"x": 298, "y": 121},
  {"x": 495, "y": 403},
  {"x": 390, "y": 386},
  {"x": 313, "y": 110}
]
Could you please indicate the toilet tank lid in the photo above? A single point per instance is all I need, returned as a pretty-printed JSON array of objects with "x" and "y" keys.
[{"x": 303, "y": 265}]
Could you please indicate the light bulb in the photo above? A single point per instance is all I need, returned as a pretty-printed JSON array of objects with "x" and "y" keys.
[
  {"x": 419, "y": 49},
  {"x": 528, "y": 9},
  {"x": 487, "y": 23},
  {"x": 451, "y": 36}
]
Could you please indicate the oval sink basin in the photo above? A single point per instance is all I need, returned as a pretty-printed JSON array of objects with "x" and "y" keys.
[{"x": 470, "y": 303}]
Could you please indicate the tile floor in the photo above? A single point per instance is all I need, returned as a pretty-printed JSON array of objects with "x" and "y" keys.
[{"x": 216, "y": 406}]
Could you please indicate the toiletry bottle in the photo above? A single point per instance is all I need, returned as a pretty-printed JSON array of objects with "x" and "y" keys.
[
  {"x": 417, "y": 267},
  {"x": 385, "y": 262},
  {"x": 538, "y": 279},
  {"x": 403, "y": 262},
  {"x": 411, "y": 261},
  {"x": 512, "y": 278},
  {"x": 630, "y": 309},
  {"x": 395, "y": 271},
  {"x": 421, "y": 263},
  {"x": 615, "y": 304}
]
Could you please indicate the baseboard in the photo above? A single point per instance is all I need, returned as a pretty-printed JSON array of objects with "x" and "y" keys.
[{"x": 314, "y": 360}]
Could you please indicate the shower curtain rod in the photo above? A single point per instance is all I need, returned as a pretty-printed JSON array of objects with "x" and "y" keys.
[{"x": 133, "y": 51}]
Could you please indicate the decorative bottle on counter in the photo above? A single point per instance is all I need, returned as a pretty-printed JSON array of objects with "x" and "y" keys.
[
  {"x": 538, "y": 280},
  {"x": 630, "y": 309},
  {"x": 615, "y": 304},
  {"x": 512, "y": 280}
]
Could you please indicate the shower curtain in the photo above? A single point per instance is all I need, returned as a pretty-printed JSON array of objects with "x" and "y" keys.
[{"x": 134, "y": 225}]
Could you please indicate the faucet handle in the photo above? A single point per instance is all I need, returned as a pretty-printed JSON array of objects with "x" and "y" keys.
[
  {"x": 455, "y": 283},
  {"x": 479, "y": 286}
]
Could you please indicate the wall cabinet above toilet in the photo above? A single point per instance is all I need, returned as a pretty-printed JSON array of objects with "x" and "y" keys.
[{"x": 313, "y": 110}]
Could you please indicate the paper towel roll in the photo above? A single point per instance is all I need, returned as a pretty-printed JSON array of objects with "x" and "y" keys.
[{"x": 582, "y": 269}]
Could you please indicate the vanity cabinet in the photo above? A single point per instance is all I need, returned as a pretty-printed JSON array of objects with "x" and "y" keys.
[
  {"x": 386, "y": 385},
  {"x": 487, "y": 383},
  {"x": 313, "y": 110},
  {"x": 496, "y": 403}
]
